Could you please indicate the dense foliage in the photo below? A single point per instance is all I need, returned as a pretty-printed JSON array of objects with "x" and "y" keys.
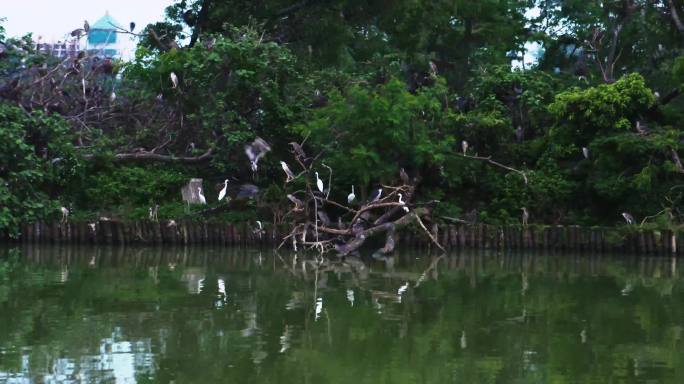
[{"x": 593, "y": 129}]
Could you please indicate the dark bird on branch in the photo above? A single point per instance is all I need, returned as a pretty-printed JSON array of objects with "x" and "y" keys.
[
  {"x": 375, "y": 196},
  {"x": 325, "y": 219},
  {"x": 297, "y": 150},
  {"x": 248, "y": 191},
  {"x": 340, "y": 224},
  {"x": 404, "y": 177},
  {"x": 519, "y": 133},
  {"x": 132, "y": 26},
  {"x": 299, "y": 205},
  {"x": 86, "y": 26}
]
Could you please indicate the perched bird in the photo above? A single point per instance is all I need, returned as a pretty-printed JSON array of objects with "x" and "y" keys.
[
  {"x": 222, "y": 194},
  {"x": 174, "y": 79},
  {"x": 325, "y": 219},
  {"x": 519, "y": 133},
  {"x": 153, "y": 212},
  {"x": 464, "y": 147},
  {"x": 641, "y": 128},
  {"x": 171, "y": 223},
  {"x": 464, "y": 340},
  {"x": 357, "y": 227},
  {"x": 525, "y": 216},
  {"x": 351, "y": 196},
  {"x": 288, "y": 172},
  {"x": 319, "y": 183},
  {"x": 299, "y": 205},
  {"x": 131, "y": 26},
  {"x": 112, "y": 97},
  {"x": 401, "y": 201},
  {"x": 585, "y": 152},
  {"x": 86, "y": 26},
  {"x": 404, "y": 176},
  {"x": 65, "y": 214},
  {"x": 248, "y": 191},
  {"x": 259, "y": 230},
  {"x": 202, "y": 199},
  {"x": 77, "y": 33},
  {"x": 375, "y": 196},
  {"x": 402, "y": 289},
  {"x": 91, "y": 226},
  {"x": 340, "y": 224},
  {"x": 471, "y": 216},
  {"x": 628, "y": 218},
  {"x": 297, "y": 150},
  {"x": 255, "y": 151}
]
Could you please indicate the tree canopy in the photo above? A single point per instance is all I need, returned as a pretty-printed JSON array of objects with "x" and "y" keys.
[{"x": 591, "y": 129}]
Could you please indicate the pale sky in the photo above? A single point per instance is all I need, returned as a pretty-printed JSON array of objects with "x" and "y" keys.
[{"x": 53, "y": 19}]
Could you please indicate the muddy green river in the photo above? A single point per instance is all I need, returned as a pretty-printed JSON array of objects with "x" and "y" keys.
[{"x": 216, "y": 315}]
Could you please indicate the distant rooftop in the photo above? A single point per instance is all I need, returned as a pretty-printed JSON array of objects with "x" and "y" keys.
[
  {"x": 106, "y": 22},
  {"x": 103, "y": 31}
]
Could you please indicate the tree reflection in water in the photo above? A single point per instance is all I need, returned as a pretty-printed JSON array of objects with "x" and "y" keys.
[{"x": 210, "y": 315}]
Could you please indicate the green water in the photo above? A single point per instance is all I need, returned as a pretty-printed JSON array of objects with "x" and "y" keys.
[{"x": 203, "y": 315}]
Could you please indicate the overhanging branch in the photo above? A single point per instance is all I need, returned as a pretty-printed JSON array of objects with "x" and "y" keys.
[{"x": 155, "y": 157}]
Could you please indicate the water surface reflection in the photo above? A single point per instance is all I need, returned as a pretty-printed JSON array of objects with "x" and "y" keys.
[{"x": 124, "y": 315}]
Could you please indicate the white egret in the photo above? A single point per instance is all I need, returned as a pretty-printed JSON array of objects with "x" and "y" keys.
[
  {"x": 65, "y": 214},
  {"x": 402, "y": 289},
  {"x": 112, "y": 97},
  {"x": 288, "y": 172},
  {"x": 525, "y": 216},
  {"x": 351, "y": 196},
  {"x": 259, "y": 231},
  {"x": 203, "y": 200},
  {"x": 319, "y": 183},
  {"x": 401, "y": 201},
  {"x": 222, "y": 194},
  {"x": 629, "y": 218},
  {"x": 585, "y": 152},
  {"x": 174, "y": 79},
  {"x": 464, "y": 146},
  {"x": 350, "y": 296},
  {"x": 153, "y": 212},
  {"x": 319, "y": 308}
]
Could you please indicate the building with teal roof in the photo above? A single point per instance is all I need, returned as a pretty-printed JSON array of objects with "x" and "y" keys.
[{"x": 105, "y": 38}]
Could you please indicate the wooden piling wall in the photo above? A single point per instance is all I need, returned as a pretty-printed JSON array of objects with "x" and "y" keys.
[{"x": 452, "y": 236}]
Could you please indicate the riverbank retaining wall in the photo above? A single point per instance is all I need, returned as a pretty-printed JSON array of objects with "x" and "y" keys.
[{"x": 451, "y": 236}]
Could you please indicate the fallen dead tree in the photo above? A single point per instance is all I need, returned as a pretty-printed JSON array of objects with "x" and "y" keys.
[{"x": 388, "y": 209}]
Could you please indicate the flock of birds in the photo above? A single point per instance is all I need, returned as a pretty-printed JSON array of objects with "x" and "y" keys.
[{"x": 256, "y": 150}]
